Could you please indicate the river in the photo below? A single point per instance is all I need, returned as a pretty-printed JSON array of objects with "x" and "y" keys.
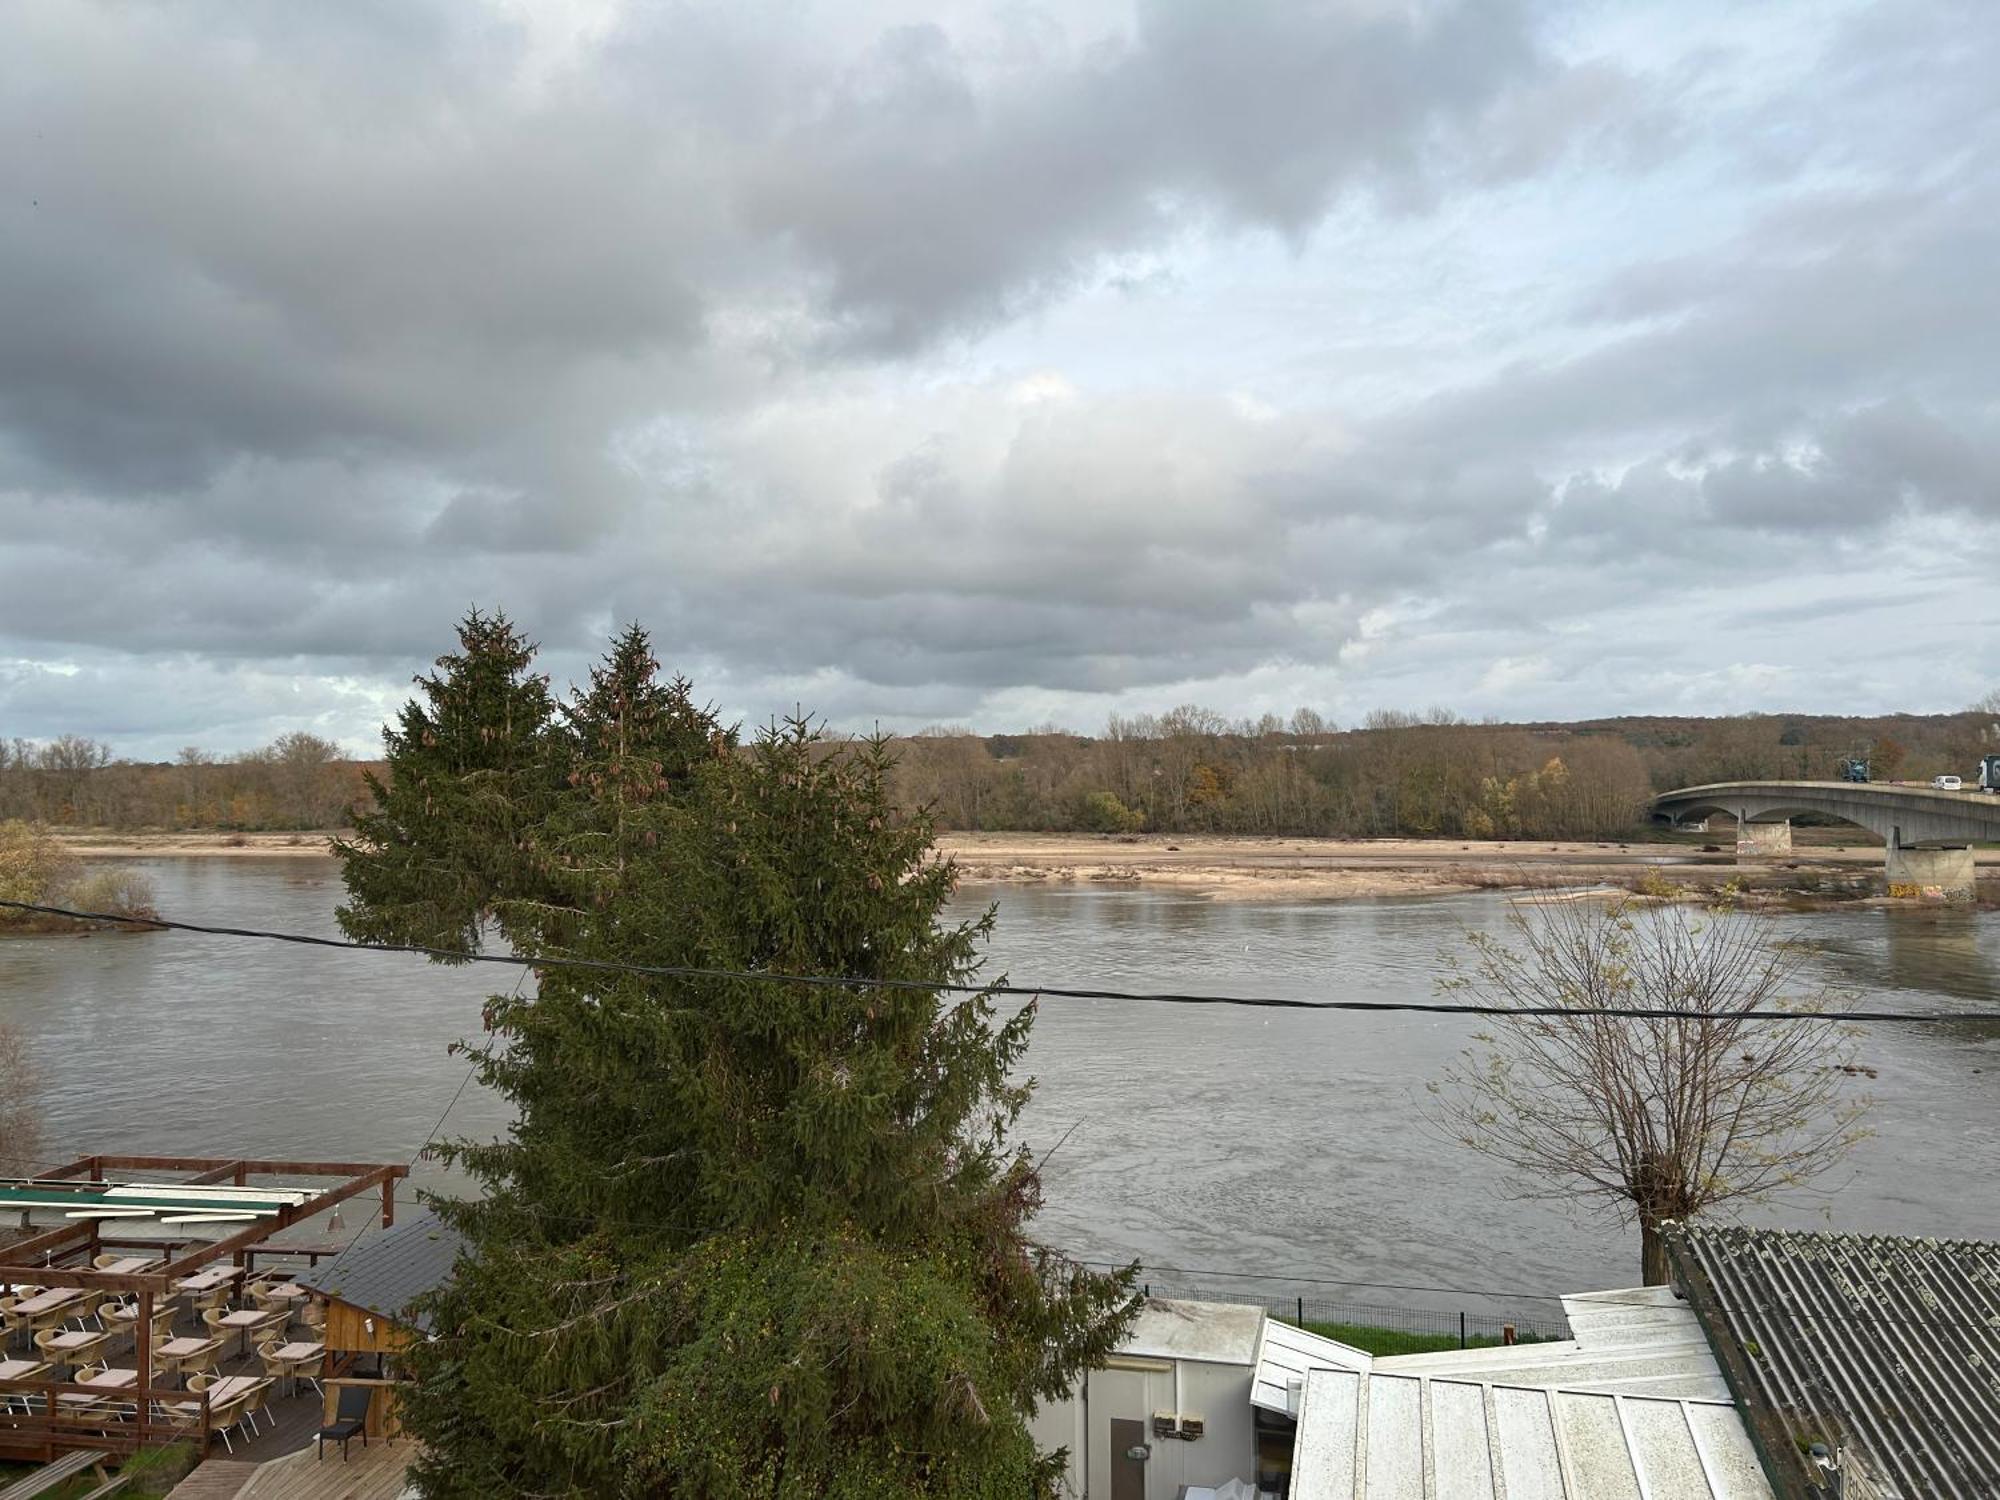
[{"x": 1276, "y": 1143}]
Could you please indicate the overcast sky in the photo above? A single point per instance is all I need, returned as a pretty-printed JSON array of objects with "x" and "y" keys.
[{"x": 999, "y": 363}]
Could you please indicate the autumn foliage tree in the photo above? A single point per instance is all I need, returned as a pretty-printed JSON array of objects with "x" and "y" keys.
[{"x": 760, "y": 1237}]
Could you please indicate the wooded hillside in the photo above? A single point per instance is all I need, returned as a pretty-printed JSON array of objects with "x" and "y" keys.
[{"x": 1190, "y": 770}]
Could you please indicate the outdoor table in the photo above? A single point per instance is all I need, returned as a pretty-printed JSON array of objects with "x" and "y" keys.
[
  {"x": 75, "y": 1348},
  {"x": 20, "y": 1369},
  {"x": 287, "y": 1291},
  {"x": 49, "y": 1301},
  {"x": 230, "y": 1387},
  {"x": 131, "y": 1265},
  {"x": 295, "y": 1357},
  {"x": 173, "y": 1352},
  {"x": 248, "y": 1320},
  {"x": 105, "y": 1380},
  {"x": 209, "y": 1280}
]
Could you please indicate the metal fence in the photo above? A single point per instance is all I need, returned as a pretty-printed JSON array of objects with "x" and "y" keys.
[{"x": 1454, "y": 1323}]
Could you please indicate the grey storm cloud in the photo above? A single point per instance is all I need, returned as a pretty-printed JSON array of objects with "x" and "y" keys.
[{"x": 318, "y": 323}]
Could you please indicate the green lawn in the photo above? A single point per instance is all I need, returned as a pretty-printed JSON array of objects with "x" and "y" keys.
[
  {"x": 1394, "y": 1341},
  {"x": 154, "y": 1472}
]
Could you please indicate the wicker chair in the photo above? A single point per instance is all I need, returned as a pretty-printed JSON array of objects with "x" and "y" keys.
[
  {"x": 84, "y": 1310},
  {"x": 183, "y": 1416},
  {"x": 225, "y": 1416},
  {"x": 202, "y": 1362},
  {"x": 253, "y": 1403},
  {"x": 79, "y": 1355}
]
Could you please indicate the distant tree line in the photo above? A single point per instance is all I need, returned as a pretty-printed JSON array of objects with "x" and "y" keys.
[
  {"x": 1397, "y": 774},
  {"x": 298, "y": 781},
  {"x": 1191, "y": 770}
]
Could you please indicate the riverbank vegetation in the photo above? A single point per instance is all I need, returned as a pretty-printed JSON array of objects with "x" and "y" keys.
[
  {"x": 743, "y": 1238},
  {"x": 1189, "y": 770},
  {"x": 36, "y": 868}
]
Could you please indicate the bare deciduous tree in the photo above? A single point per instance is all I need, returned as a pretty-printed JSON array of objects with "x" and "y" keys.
[{"x": 1656, "y": 1119}]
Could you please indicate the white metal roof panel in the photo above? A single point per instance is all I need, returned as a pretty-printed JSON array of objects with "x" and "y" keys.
[
  {"x": 1461, "y": 1449},
  {"x": 1399, "y": 1437},
  {"x": 1222, "y": 1333},
  {"x": 1640, "y": 1341},
  {"x": 1524, "y": 1432},
  {"x": 1395, "y": 1447},
  {"x": 1726, "y": 1450},
  {"x": 1284, "y": 1357},
  {"x": 1600, "y": 1456},
  {"x": 1323, "y": 1460},
  {"x": 1664, "y": 1449}
]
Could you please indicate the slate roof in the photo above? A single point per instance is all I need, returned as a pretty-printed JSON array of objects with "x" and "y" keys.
[
  {"x": 385, "y": 1272},
  {"x": 1885, "y": 1347}
]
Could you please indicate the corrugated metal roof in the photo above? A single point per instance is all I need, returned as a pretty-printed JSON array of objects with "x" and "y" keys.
[
  {"x": 387, "y": 1271},
  {"x": 1285, "y": 1354},
  {"x": 1371, "y": 1436},
  {"x": 1223, "y": 1333},
  {"x": 1887, "y": 1347}
]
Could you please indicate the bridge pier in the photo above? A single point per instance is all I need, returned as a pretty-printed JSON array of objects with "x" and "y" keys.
[
  {"x": 1762, "y": 839},
  {"x": 1945, "y": 874},
  {"x": 1928, "y": 831}
]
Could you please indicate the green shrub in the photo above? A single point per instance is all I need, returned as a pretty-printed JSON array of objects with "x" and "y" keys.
[{"x": 1104, "y": 813}]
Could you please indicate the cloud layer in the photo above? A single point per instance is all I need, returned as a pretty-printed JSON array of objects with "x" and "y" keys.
[{"x": 994, "y": 363}]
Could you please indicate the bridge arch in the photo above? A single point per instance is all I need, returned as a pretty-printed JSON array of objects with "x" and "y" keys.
[{"x": 1906, "y": 819}]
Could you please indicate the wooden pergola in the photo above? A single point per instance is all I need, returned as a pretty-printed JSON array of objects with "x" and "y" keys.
[{"x": 62, "y": 1256}]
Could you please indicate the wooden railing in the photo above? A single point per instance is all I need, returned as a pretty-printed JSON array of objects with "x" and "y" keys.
[{"x": 37, "y": 1424}]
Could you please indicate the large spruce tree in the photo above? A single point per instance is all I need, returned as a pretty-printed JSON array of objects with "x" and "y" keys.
[{"x": 745, "y": 1238}]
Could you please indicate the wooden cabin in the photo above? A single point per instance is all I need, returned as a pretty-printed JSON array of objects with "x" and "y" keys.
[{"x": 368, "y": 1291}]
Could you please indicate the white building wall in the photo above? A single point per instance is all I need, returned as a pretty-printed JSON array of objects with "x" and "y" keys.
[{"x": 1135, "y": 1389}]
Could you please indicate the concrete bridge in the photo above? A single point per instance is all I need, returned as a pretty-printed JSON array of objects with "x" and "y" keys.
[{"x": 1929, "y": 833}]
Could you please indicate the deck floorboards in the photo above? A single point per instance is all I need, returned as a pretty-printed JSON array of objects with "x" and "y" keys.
[
  {"x": 218, "y": 1479},
  {"x": 372, "y": 1473}
]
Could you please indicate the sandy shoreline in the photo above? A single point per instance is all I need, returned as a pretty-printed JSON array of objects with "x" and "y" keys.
[
  {"x": 1222, "y": 868},
  {"x": 1283, "y": 869},
  {"x": 191, "y": 845}
]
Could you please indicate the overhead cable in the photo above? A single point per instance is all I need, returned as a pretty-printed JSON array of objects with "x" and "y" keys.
[{"x": 1026, "y": 992}]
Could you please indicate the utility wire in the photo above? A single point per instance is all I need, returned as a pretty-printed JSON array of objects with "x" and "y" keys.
[{"x": 1029, "y": 992}]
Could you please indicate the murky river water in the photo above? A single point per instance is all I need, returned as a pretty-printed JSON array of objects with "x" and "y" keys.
[{"x": 1220, "y": 1140}]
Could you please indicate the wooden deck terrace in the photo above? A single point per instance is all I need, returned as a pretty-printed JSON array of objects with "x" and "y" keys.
[
  {"x": 33, "y": 1423},
  {"x": 377, "y": 1472},
  {"x": 286, "y": 1426}
]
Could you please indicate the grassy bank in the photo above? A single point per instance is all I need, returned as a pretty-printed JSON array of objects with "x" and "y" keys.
[
  {"x": 151, "y": 1473},
  {"x": 1387, "y": 1341}
]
